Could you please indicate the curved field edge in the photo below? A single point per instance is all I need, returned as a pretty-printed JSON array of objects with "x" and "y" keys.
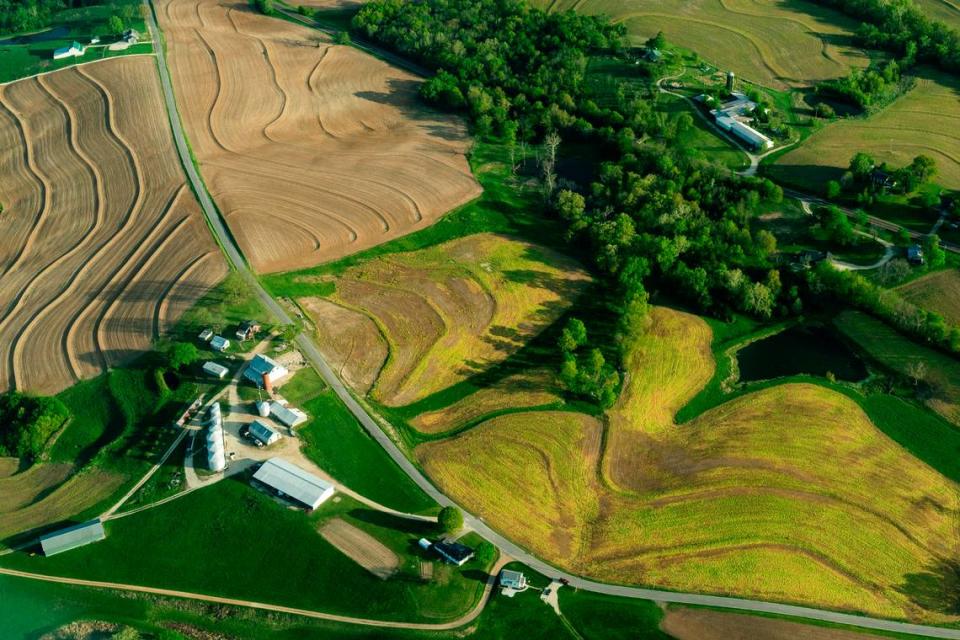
[{"x": 727, "y": 503}]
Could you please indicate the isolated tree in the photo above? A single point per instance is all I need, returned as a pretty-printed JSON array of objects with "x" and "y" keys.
[
  {"x": 550, "y": 144},
  {"x": 450, "y": 519},
  {"x": 485, "y": 553},
  {"x": 923, "y": 168},
  {"x": 181, "y": 354},
  {"x": 658, "y": 41},
  {"x": 861, "y": 165},
  {"x": 933, "y": 252},
  {"x": 833, "y": 189},
  {"x": 115, "y": 24},
  {"x": 264, "y": 6}
]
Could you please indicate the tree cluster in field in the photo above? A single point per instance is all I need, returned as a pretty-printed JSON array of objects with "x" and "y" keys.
[
  {"x": 265, "y": 7},
  {"x": 28, "y": 422},
  {"x": 902, "y": 28},
  {"x": 27, "y": 15},
  {"x": 586, "y": 372},
  {"x": 849, "y": 287},
  {"x": 866, "y": 88},
  {"x": 865, "y": 178}
]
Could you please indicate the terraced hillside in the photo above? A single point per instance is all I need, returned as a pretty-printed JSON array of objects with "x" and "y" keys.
[
  {"x": 312, "y": 151},
  {"x": 771, "y": 42},
  {"x": 410, "y": 324},
  {"x": 103, "y": 243},
  {"x": 924, "y": 121},
  {"x": 783, "y": 494}
]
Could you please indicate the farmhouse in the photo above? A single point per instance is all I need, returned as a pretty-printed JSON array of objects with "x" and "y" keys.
[
  {"x": 219, "y": 343},
  {"x": 287, "y": 415},
  {"x": 263, "y": 433},
  {"x": 513, "y": 580},
  {"x": 75, "y": 50},
  {"x": 215, "y": 370},
  {"x": 264, "y": 371},
  {"x": 72, "y": 537},
  {"x": 915, "y": 254},
  {"x": 453, "y": 552},
  {"x": 131, "y": 36},
  {"x": 289, "y": 480},
  {"x": 247, "y": 330},
  {"x": 733, "y": 116}
]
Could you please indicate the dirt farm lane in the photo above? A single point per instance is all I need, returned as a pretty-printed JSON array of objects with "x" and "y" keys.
[{"x": 508, "y": 548}]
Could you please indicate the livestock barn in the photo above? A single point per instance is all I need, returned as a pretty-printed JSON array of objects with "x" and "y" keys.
[{"x": 290, "y": 481}]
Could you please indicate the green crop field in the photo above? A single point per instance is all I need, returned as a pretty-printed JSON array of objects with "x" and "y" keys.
[
  {"x": 746, "y": 498},
  {"x": 775, "y": 44},
  {"x": 924, "y": 121}
]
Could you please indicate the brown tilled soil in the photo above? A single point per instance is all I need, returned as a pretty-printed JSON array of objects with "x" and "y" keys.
[
  {"x": 311, "y": 150},
  {"x": 361, "y": 547},
  {"x": 103, "y": 243},
  {"x": 350, "y": 342},
  {"x": 703, "y": 624},
  {"x": 9, "y": 466}
]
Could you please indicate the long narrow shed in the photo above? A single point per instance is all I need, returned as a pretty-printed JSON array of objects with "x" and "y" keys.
[
  {"x": 72, "y": 537},
  {"x": 293, "y": 482}
]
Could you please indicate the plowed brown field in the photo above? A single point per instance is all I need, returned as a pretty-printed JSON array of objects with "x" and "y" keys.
[
  {"x": 103, "y": 242},
  {"x": 312, "y": 151}
]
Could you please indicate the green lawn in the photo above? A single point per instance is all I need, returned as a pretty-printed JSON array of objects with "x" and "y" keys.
[
  {"x": 338, "y": 444},
  {"x": 598, "y": 616},
  {"x": 24, "y": 55},
  {"x": 306, "y": 384},
  {"x": 231, "y": 540}
]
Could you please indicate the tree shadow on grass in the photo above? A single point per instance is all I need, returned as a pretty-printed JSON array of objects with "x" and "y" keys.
[
  {"x": 935, "y": 589},
  {"x": 396, "y": 523}
]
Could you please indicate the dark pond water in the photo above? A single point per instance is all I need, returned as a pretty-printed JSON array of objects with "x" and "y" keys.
[
  {"x": 57, "y": 33},
  {"x": 812, "y": 350}
]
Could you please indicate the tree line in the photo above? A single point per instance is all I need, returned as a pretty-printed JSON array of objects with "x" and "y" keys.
[
  {"x": 28, "y": 422},
  {"x": 27, "y": 15}
]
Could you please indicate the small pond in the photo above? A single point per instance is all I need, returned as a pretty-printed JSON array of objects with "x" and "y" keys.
[
  {"x": 813, "y": 350},
  {"x": 57, "y": 33}
]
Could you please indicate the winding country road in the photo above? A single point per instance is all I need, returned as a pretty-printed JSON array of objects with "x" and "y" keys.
[{"x": 313, "y": 355}]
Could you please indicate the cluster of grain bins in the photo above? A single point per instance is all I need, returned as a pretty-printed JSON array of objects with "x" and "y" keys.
[{"x": 216, "y": 459}]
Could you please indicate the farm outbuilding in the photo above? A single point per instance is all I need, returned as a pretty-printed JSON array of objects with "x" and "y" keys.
[
  {"x": 513, "y": 579},
  {"x": 264, "y": 370},
  {"x": 286, "y": 415},
  {"x": 75, "y": 50},
  {"x": 219, "y": 343},
  {"x": 453, "y": 552},
  {"x": 247, "y": 330},
  {"x": 745, "y": 132},
  {"x": 206, "y": 334},
  {"x": 290, "y": 481},
  {"x": 72, "y": 537},
  {"x": 215, "y": 370},
  {"x": 263, "y": 433}
]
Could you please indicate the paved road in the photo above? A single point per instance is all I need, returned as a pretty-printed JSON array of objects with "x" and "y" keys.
[
  {"x": 313, "y": 355},
  {"x": 465, "y": 619}
]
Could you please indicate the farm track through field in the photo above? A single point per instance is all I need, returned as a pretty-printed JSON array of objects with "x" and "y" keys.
[{"x": 93, "y": 199}]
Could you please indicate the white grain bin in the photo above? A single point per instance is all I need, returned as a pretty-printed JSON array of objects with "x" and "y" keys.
[
  {"x": 215, "y": 460},
  {"x": 263, "y": 409},
  {"x": 424, "y": 543}
]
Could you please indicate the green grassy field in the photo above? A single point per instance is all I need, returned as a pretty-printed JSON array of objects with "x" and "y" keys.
[
  {"x": 776, "y": 44},
  {"x": 28, "y": 54},
  {"x": 230, "y": 540},
  {"x": 924, "y": 121},
  {"x": 337, "y": 443}
]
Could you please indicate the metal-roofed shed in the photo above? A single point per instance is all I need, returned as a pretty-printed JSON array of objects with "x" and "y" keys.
[
  {"x": 291, "y": 481},
  {"x": 72, "y": 537},
  {"x": 286, "y": 415}
]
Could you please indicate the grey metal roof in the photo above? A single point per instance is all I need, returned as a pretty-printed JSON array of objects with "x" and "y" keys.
[
  {"x": 294, "y": 482},
  {"x": 262, "y": 432},
  {"x": 72, "y": 537},
  {"x": 261, "y": 364},
  {"x": 287, "y": 416}
]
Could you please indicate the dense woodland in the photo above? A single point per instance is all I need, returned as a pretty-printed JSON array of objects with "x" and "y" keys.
[
  {"x": 27, "y": 15},
  {"x": 27, "y": 424},
  {"x": 899, "y": 26}
]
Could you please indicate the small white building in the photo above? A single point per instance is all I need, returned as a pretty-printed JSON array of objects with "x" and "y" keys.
[
  {"x": 206, "y": 334},
  {"x": 290, "y": 481},
  {"x": 264, "y": 370},
  {"x": 513, "y": 580},
  {"x": 263, "y": 433},
  {"x": 215, "y": 370},
  {"x": 75, "y": 50},
  {"x": 219, "y": 343},
  {"x": 287, "y": 415}
]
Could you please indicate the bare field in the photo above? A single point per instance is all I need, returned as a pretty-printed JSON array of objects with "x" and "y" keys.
[
  {"x": 782, "y": 494},
  {"x": 946, "y": 11},
  {"x": 447, "y": 312},
  {"x": 776, "y": 43},
  {"x": 924, "y": 121},
  {"x": 938, "y": 292},
  {"x": 312, "y": 151},
  {"x": 8, "y": 466},
  {"x": 361, "y": 547},
  {"x": 103, "y": 241},
  {"x": 704, "y": 624}
]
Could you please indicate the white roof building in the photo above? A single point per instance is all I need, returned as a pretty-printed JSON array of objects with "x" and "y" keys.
[
  {"x": 72, "y": 537},
  {"x": 264, "y": 367},
  {"x": 293, "y": 482},
  {"x": 745, "y": 132},
  {"x": 513, "y": 579},
  {"x": 263, "y": 433},
  {"x": 75, "y": 50},
  {"x": 286, "y": 415},
  {"x": 206, "y": 334},
  {"x": 219, "y": 343},
  {"x": 215, "y": 370}
]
